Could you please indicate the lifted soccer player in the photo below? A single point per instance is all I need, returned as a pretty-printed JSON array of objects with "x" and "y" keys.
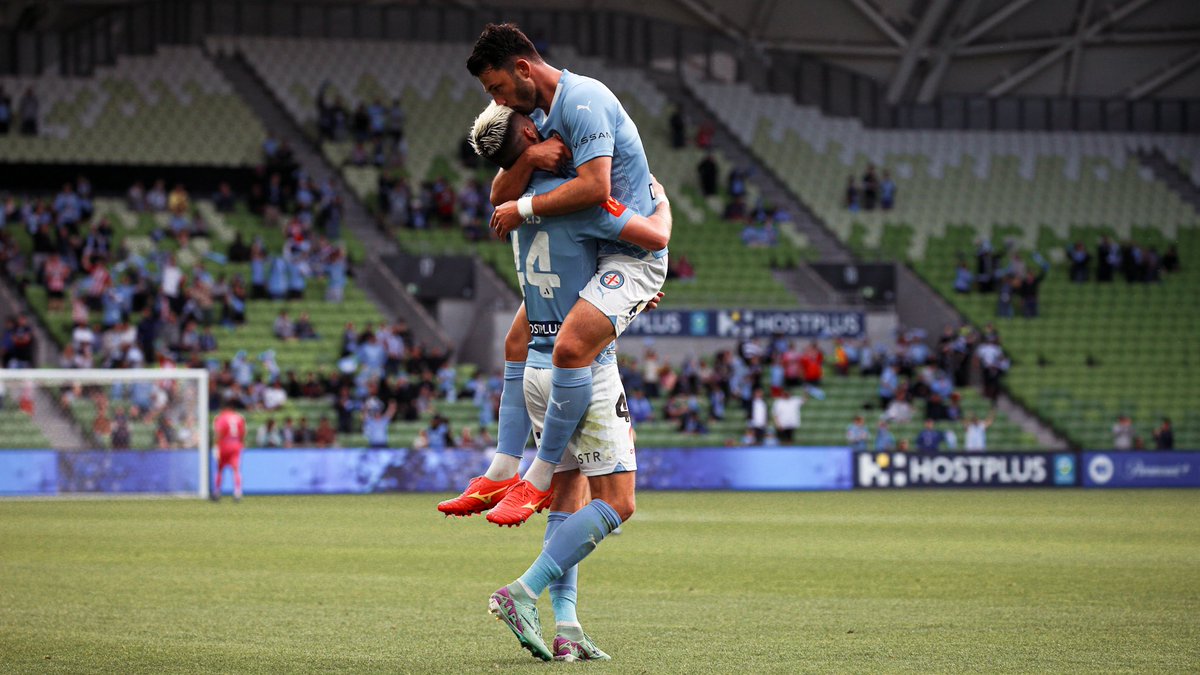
[
  {"x": 555, "y": 259},
  {"x": 610, "y": 163}
]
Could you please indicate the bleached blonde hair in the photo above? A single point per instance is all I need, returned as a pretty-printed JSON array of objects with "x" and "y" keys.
[{"x": 490, "y": 129}]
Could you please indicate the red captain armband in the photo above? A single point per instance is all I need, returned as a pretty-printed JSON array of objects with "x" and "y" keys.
[{"x": 614, "y": 207}]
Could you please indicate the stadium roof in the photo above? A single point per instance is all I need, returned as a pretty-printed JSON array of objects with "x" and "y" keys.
[{"x": 917, "y": 49}]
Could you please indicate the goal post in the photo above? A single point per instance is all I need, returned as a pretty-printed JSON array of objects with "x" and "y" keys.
[{"x": 94, "y": 431}]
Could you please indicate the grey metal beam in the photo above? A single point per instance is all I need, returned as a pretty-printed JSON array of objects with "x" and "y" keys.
[
  {"x": 834, "y": 48},
  {"x": 1071, "y": 79},
  {"x": 1146, "y": 37},
  {"x": 1183, "y": 37},
  {"x": 1012, "y": 46},
  {"x": 916, "y": 44},
  {"x": 1014, "y": 80},
  {"x": 994, "y": 19},
  {"x": 1164, "y": 77},
  {"x": 941, "y": 58},
  {"x": 706, "y": 14},
  {"x": 880, "y": 22},
  {"x": 761, "y": 17}
]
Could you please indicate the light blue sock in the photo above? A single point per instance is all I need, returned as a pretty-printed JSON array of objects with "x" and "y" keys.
[
  {"x": 563, "y": 590},
  {"x": 570, "y": 395},
  {"x": 514, "y": 418},
  {"x": 574, "y": 539}
]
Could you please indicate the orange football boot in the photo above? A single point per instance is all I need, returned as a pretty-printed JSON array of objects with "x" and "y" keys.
[
  {"x": 522, "y": 501},
  {"x": 481, "y": 494}
]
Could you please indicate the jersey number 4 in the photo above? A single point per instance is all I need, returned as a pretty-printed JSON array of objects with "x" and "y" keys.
[{"x": 537, "y": 270}]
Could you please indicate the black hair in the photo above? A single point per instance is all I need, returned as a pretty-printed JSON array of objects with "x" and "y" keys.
[{"x": 497, "y": 46}]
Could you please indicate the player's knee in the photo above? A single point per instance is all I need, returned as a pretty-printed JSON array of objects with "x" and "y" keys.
[
  {"x": 624, "y": 506},
  {"x": 572, "y": 353}
]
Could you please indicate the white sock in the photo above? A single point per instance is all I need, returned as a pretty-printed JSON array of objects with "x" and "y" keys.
[
  {"x": 540, "y": 473},
  {"x": 503, "y": 467}
]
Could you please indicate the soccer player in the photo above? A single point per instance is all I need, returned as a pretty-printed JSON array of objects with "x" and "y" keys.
[
  {"x": 556, "y": 258},
  {"x": 610, "y": 163},
  {"x": 229, "y": 428}
]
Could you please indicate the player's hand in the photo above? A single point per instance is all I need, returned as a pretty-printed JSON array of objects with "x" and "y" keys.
[
  {"x": 656, "y": 187},
  {"x": 505, "y": 219},
  {"x": 550, "y": 155},
  {"x": 653, "y": 303}
]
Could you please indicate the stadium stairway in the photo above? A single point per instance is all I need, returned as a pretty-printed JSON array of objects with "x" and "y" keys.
[
  {"x": 1171, "y": 175},
  {"x": 17, "y": 428},
  {"x": 918, "y": 304},
  {"x": 372, "y": 274},
  {"x": 808, "y": 287}
]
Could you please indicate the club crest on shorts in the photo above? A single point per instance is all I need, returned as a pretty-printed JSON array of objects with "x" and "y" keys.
[{"x": 612, "y": 280}]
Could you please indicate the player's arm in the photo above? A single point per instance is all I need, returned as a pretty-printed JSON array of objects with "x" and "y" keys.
[
  {"x": 589, "y": 188},
  {"x": 550, "y": 155},
  {"x": 652, "y": 233}
]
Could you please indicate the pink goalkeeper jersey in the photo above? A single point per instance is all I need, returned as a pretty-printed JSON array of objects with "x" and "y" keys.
[{"x": 230, "y": 431}]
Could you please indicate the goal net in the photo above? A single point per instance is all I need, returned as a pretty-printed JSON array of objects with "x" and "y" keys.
[{"x": 136, "y": 431}]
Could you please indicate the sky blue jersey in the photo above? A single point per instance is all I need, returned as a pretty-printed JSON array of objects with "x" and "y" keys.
[
  {"x": 555, "y": 258},
  {"x": 593, "y": 123}
]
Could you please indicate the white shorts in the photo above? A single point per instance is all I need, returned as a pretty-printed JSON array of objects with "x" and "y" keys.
[
  {"x": 603, "y": 443},
  {"x": 623, "y": 286}
]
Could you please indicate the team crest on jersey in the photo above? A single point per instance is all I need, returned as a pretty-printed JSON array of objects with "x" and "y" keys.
[{"x": 612, "y": 280}]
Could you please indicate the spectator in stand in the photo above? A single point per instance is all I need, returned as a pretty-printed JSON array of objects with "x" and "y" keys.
[
  {"x": 325, "y": 435},
  {"x": 303, "y": 328},
  {"x": 1108, "y": 257},
  {"x": 1009, "y": 285},
  {"x": 1122, "y": 433},
  {"x": 887, "y": 192},
  {"x": 1170, "y": 259},
  {"x": 1131, "y": 261},
  {"x": 884, "y": 440},
  {"x": 283, "y": 328},
  {"x": 707, "y": 171},
  {"x": 975, "y": 432},
  {"x": 681, "y": 269},
  {"x": 993, "y": 363},
  {"x": 304, "y": 435},
  {"x": 156, "y": 198},
  {"x": 841, "y": 357},
  {"x": 288, "y": 433},
  {"x": 20, "y": 345},
  {"x": 1029, "y": 285},
  {"x": 930, "y": 439},
  {"x": 678, "y": 129},
  {"x": 274, "y": 396},
  {"x": 55, "y": 275},
  {"x": 785, "y": 412},
  {"x": 889, "y": 382},
  {"x": 757, "y": 423},
  {"x": 985, "y": 266},
  {"x": 375, "y": 422},
  {"x": 269, "y": 435},
  {"x": 704, "y": 134},
  {"x": 1164, "y": 436},
  {"x": 857, "y": 434},
  {"x": 812, "y": 365},
  {"x": 870, "y": 188},
  {"x": 963, "y": 278},
  {"x": 439, "y": 433},
  {"x": 1080, "y": 260},
  {"x": 899, "y": 410},
  {"x": 6, "y": 111},
  {"x": 853, "y": 195},
  {"x": 640, "y": 409},
  {"x": 29, "y": 113}
]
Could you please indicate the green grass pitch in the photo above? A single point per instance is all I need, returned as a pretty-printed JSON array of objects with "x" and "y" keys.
[{"x": 981, "y": 581}]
